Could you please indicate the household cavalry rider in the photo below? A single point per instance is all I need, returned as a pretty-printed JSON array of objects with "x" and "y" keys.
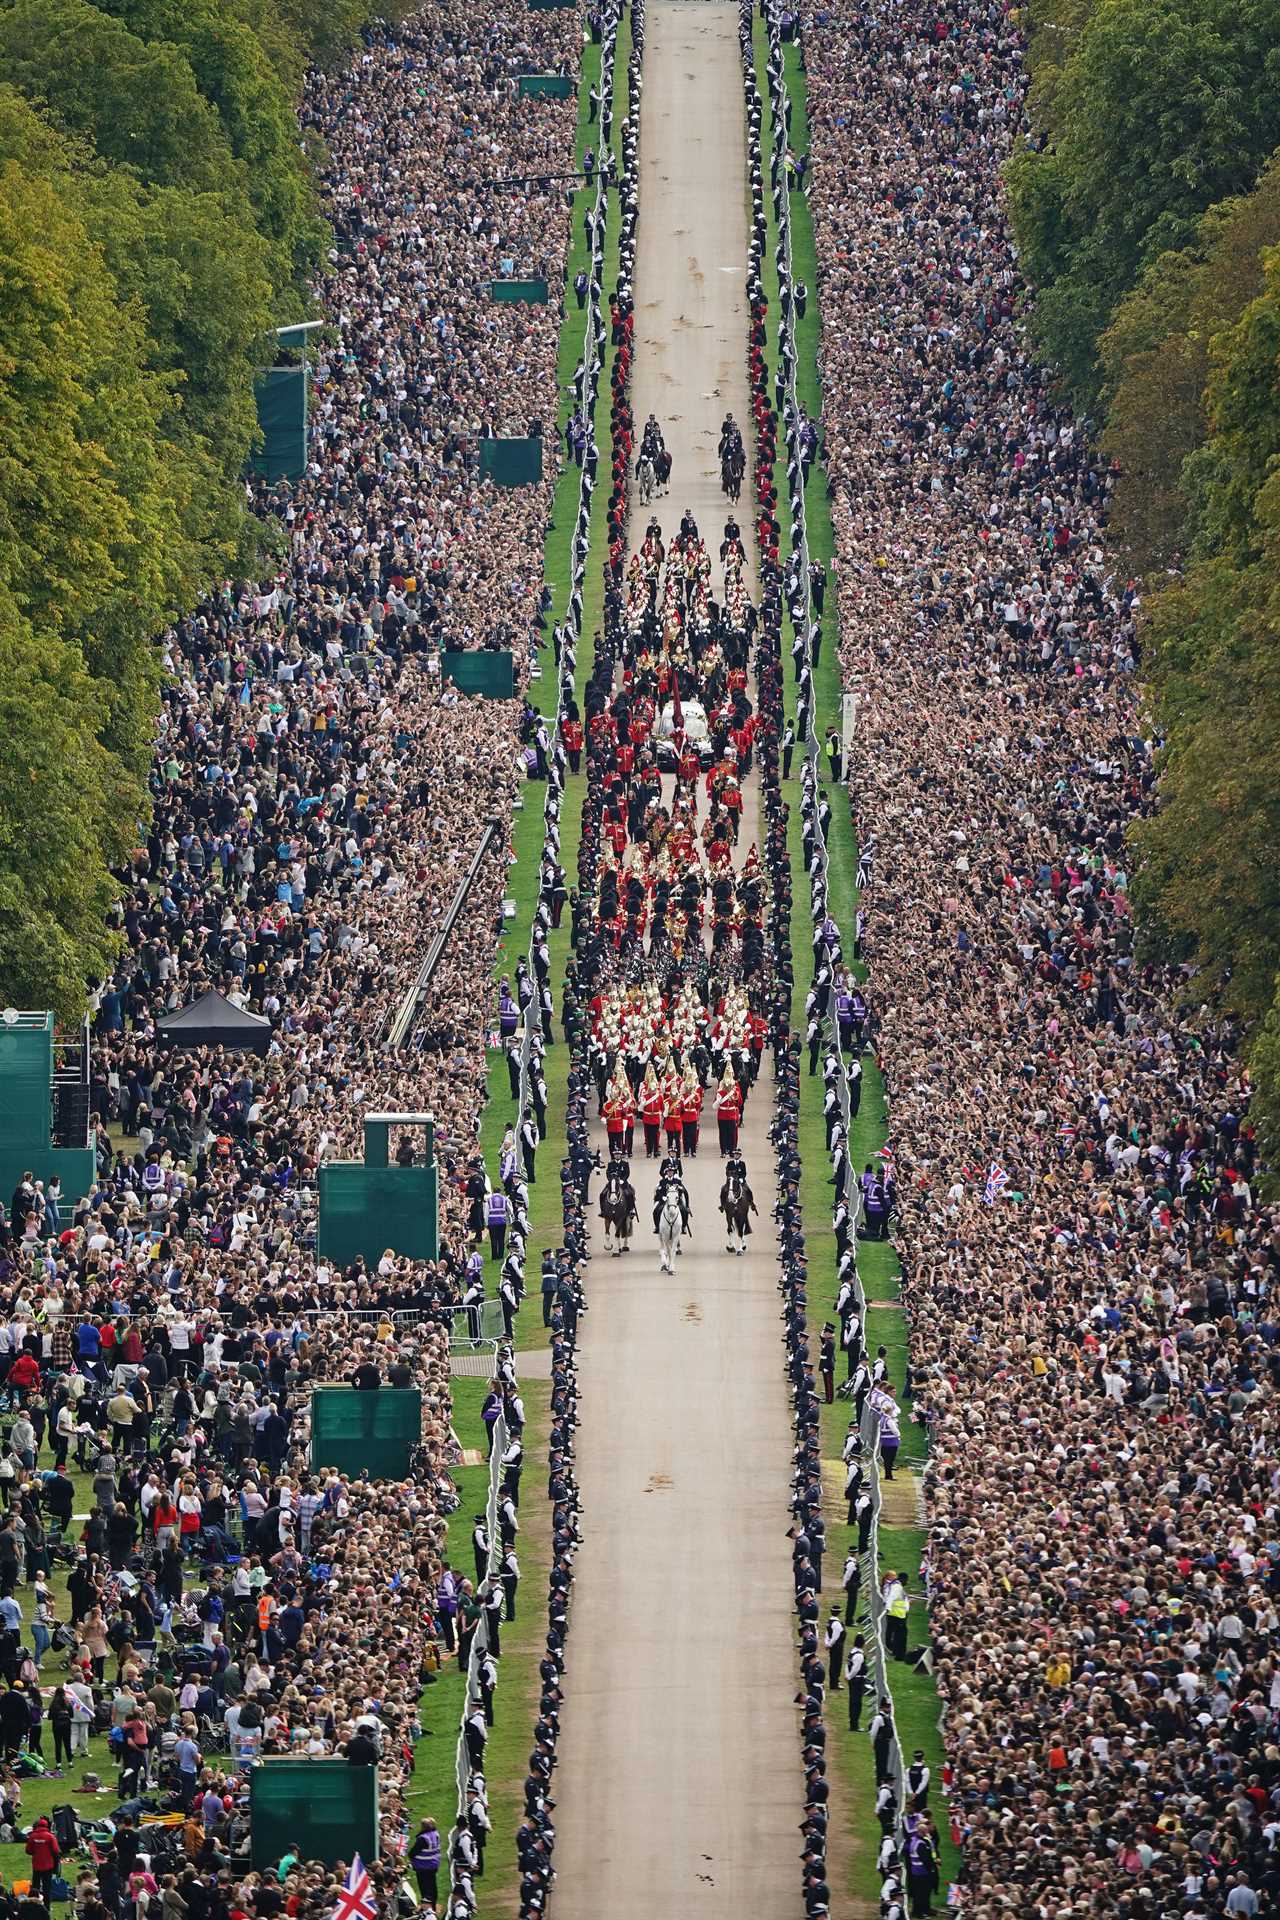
[{"x": 670, "y": 1175}]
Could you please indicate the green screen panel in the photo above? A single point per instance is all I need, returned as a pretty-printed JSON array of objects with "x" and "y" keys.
[
  {"x": 26, "y": 1070},
  {"x": 546, "y": 86},
  {"x": 512, "y": 463},
  {"x": 489, "y": 674},
  {"x": 282, "y": 415},
  {"x": 534, "y": 291},
  {"x": 76, "y": 1168},
  {"x": 26, "y": 1116},
  {"x": 356, "y": 1432},
  {"x": 365, "y": 1210},
  {"x": 320, "y": 1809}
]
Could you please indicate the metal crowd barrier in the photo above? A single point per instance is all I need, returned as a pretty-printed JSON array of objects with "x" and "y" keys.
[{"x": 402, "y": 1025}]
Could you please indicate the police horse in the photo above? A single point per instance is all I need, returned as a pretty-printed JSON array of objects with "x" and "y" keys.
[
  {"x": 618, "y": 1211},
  {"x": 737, "y": 1204}
]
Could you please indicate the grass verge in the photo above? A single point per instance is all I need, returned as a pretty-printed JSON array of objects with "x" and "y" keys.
[
  {"x": 517, "y": 1701},
  {"x": 522, "y": 885},
  {"x": 434, "y": 1789},
  {"x": 855, "y": 1880}
]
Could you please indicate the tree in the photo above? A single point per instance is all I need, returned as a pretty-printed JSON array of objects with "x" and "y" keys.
[
  {"x": 1209, "y": 875},
  {"x": 1208, "y": 880},
  {"x": 1036, "y": 188},
  {"x": 156, "y": 219},
  {"x": 1156, "y": 362},
  {"x": 202, "y": 274},
  {"x": 1162, "y": 108},
  {"x": 1264, "y": 1070},
  {"x": 1167, "y": 106},
  {"x": 258, "y": 115},
  {"x": 1049, "y": 47},
  {"x": 76, "y": 406},
  {"x": 201, "y": 271},
  {"x": 1242, "y": 399},
  {"x": 299, "y": 34},
  {"x": 104, "y": 511},
  {"x": 1147, "y": 208},
  {"x": 135, "y": 102},
  {"x": 67, "y": 811}
]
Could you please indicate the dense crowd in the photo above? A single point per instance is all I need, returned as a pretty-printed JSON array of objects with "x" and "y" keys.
[
  {"x": 225, "y": 1602},
  {"x": 319, "y": 789},
  {"x": 1087, "y": 1269}
]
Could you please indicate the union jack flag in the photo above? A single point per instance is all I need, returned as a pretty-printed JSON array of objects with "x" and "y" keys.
[
  {"x": 356, "y": 1900},
  {"x": 997, "y": 1181}
]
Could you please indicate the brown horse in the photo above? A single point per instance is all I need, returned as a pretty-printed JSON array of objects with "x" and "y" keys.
[
  {"x": 737, "y": 1204},
  {"x": 618, "y": 1211}
]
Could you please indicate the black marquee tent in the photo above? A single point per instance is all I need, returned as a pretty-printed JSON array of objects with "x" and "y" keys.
[{"x": 212, "y": 1021}]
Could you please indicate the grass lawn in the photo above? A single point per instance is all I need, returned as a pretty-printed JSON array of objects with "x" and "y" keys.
[
  {"x": 852, "y": 1866},
  {"x": 42, "y": 1795}
]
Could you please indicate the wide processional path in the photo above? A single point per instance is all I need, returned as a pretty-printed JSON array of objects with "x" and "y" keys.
[{"x": 678, "y": 1789}]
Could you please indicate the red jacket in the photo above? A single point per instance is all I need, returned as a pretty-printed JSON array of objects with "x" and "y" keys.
[
  {"x": 24, "y": 1372},
  {"x": 44, "y": 1850}
]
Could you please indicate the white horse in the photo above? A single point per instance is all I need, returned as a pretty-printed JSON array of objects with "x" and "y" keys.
[
  {"x": 646, "y": 478},
  {"x": 670, "y": 1228}
]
